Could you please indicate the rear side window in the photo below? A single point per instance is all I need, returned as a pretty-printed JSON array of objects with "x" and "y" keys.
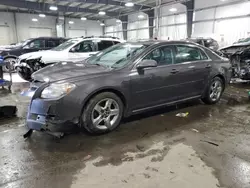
[
  {"x": 53, "y": 43},
  {"x": 189, "y": 54},
  {"x": 102, "y": 45},
  {"x": 61, "y": 41}
]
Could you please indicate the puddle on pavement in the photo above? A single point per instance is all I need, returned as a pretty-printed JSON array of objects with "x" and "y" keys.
[
  {"x": 181, "y": 167},
  {"x": 14, "y": 98}
]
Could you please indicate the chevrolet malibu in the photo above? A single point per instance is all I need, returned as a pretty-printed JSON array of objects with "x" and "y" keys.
[{"x": 123, "y": 80}]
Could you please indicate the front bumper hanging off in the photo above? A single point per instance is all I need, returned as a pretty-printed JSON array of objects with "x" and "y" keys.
[{"x": 49, "y": 116}]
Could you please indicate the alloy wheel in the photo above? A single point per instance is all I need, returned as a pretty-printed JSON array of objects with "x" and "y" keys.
[
  {"x": 215, "y": 90},
  {"x": 10, "y": 65},
  {"x": 105, "y": 114}
]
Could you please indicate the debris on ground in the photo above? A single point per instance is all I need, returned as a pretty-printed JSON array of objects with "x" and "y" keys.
[
  {"x": 143, "y": 135},
  {"x": 182, "y": 114},
  {"x": 124, "y": 181},
  {"x": 195, "y": 130},
  {"x": 8, "y": 111},
  {"x": 87, "y": 157},
  {"x": 212, "y": 143},
  {"x": 28, "y": 134},
  {"x": 147, "y": 176},
  {"x": 140, "y": 147},
  {"x": 152, "y": 169}
]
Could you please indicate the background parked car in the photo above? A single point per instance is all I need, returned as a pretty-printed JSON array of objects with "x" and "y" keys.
[
  {"x": 207, "y": 42},
  {"x": 239, "y": 55},
  {"x": 12, "y": 52},
  {"x": 75, "y": 49},
  {"x": 123, "y": 80}
]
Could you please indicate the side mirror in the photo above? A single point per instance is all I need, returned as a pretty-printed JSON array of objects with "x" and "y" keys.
[
  {"x": 26, "y": 47},
  {"x": 146, "y": 64}
]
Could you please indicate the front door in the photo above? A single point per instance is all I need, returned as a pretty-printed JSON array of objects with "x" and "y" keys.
[
  {"x": 33, "y": 46},
  {"x": 154, "y": 86},
  {"x": 82, "y": 50}
]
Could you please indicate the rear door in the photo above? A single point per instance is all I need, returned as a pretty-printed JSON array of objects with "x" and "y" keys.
[
  {"x": 193, "y": 67},
  {"x": 51, "y": 43}
]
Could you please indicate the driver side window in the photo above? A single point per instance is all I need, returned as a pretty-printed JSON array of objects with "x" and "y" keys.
[
  {"x": 162, "y": 55},
  {"x": 86, "y": 46}
]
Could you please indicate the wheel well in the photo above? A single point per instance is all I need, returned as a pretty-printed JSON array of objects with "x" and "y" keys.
[
  {"x": 10, "y": 57},
  {"x": 222, "y": 78},
  {"x": 118, "y": 93}
]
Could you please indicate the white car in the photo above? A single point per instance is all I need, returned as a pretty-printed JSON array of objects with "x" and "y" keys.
[{"x": 75, "y": 49}]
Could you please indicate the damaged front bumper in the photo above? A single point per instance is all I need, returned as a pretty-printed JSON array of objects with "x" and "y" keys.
[
  {"x": 42, "y": 116},
  {"x": 58, "y": 115}
]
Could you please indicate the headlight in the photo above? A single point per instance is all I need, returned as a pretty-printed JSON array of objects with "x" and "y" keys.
[{"x": 57, "y": 90}]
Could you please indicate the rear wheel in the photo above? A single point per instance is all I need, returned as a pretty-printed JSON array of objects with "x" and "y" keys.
[
  {"x": 103, "y": 113},
  {"x": 214, "y": 91}
]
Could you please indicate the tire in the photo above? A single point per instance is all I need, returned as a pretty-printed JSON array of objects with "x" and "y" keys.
[
  {"x": 25, "y": 73},
  {"x": 214, "y": 91},
  {"x": 106, "y": 109},
  {"x": 11, "y": 67}
]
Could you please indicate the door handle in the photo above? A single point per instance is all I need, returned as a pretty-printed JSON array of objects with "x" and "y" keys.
[
  {"x": 208, "y": 66},
  {"x": 174, "y": 71}
]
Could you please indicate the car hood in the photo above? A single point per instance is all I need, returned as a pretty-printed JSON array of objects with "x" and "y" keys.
[
  {"x": 235, "y": 49},
  {"x": 44, "y": 54},
  {"x": 68, "y": 71},
  {"x": 237, "y": 45},
  {"x": 9, "y": 49}
]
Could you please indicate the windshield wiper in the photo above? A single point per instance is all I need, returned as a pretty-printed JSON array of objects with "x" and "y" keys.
[
  {"x": 118, "y": 62},
  {"x": 100, "y": 65}
]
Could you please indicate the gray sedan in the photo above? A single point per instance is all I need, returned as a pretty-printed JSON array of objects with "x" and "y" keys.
[{"x": 123, "y": 80}]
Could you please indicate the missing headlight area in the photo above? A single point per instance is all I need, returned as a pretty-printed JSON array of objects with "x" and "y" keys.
[
  {"x": 239, "y": 55},
  {"x": 27, "y": 67}
]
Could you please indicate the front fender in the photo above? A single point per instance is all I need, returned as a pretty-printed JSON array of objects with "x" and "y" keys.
[
  {"x": 10, "y": 56},
  {"x": 88, "y": 88}
]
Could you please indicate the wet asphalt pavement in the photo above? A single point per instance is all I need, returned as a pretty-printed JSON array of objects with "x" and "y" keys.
[{"x": 209, "y": 148}]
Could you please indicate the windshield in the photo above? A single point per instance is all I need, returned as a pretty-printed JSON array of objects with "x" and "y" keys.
[
  {"x": 22, "y": 43},
  {"x": 65, "y": 45},
  {"x": 118, "y": 55},
  {"x": 244, "y": 40}
]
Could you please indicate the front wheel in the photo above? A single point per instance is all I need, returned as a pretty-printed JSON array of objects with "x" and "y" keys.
[
  {"x": 9, "y": 67},
  {"x": 214, "y": 91},
  {"x": 25, "y": 73},
  {"x": 103, "y": 113}
]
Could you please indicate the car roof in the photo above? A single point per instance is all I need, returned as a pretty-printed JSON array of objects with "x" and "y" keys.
[
  {"x": 155, "y": 42},
  {"x": 97, "y": 38},
  {"x": 200, "y": 38},
  {"x": 48, "y": 38}
]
